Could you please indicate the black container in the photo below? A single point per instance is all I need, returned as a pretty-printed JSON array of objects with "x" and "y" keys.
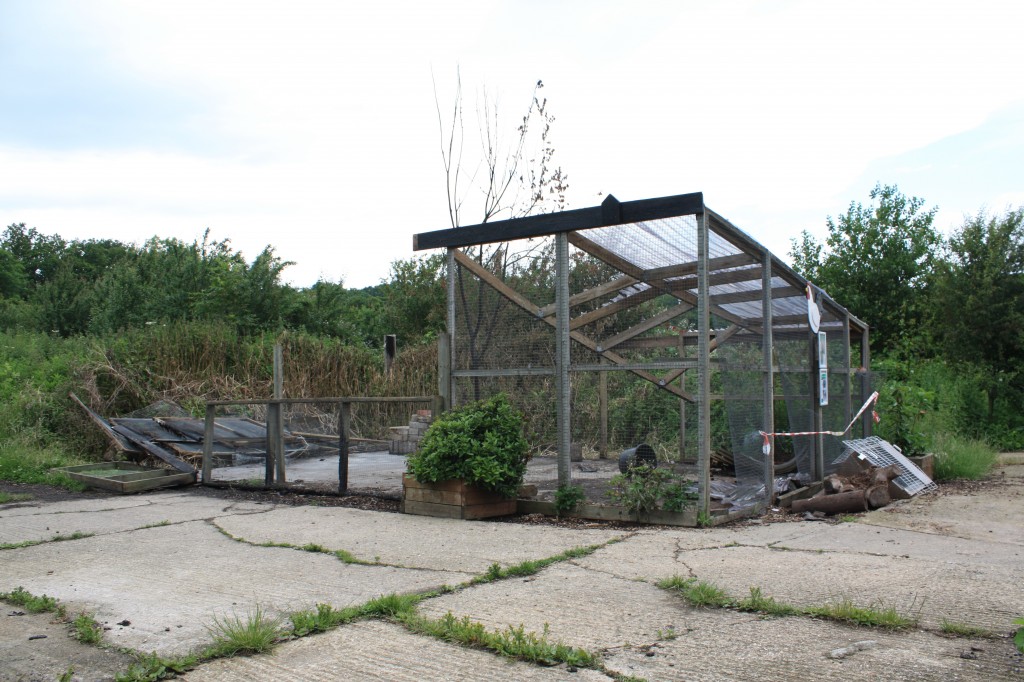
[{"x": 642, "y": 454}]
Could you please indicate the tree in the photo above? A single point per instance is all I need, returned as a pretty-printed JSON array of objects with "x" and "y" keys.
[
  {"x": 877, "y": 262},
  {"x": 508, "y": 180},
  {"x": 978, "y": 301}
]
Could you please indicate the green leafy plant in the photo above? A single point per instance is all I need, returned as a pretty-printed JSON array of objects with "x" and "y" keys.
[
  {"x": 19, "y": 596},
  {"x": 567, "y": 499},
  {"x": 481, "y": 443},
  {"x": 645, "y": 489},
  {"x": 87, "y": 630},
  {"x": 1018, "y": 638},
  {"x": 951, "y": 627}
]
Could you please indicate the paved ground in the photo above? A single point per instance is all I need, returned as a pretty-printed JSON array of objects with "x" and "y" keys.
[{"x": 158, "y": 568}]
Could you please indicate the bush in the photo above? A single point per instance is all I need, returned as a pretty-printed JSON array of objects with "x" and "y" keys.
[
  {"x": 481, "y": 443},
  {"x": 645, "y": 489}
]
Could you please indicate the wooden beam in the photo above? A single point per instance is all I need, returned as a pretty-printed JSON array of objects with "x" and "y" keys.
[
  {"x": 648, "y": 324},
  {"x": 614, "y": 307},
  {"x": 496, "y": 283},
  {"x": 590, "y": 294},
  {"x": 683, "y": 269},
  {"x": 612, "y": 212},
  {"x": 720, "y": 338},
  {"x": 755, "y": 295}
]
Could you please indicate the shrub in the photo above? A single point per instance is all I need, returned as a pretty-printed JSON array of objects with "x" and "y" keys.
[
  {"x": 568, "y": 498},
  {"x": 481, "y": 443}
]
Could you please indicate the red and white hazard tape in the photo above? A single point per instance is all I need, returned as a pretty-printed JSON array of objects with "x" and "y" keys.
[{"x": 874, "y": 415}]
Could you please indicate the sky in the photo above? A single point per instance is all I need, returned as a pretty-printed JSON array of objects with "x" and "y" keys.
[{"x": 314, "y": 127}]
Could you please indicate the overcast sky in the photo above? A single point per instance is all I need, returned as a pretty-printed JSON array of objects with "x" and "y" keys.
[{"x": 312, "y": 127}]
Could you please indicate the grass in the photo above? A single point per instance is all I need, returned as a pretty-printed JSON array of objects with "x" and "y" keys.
[
  {"x": 1018, "y": 637},
  {"x": 956, "y": 629},
  {"x": 234, "y": 635},
  {"x": 77, "y": 535},
  {"x": 957, "y": 457},
  {"x": 512, "y": 642},
  {"x": 497, "y": 572},
  {"x": 87, "y": 630},
  {"x": 6, "y": 498},
  {"x": 22, "y": 462},
  {"x": 158, "y": 524},
  {"x": 704, "y": 594}
]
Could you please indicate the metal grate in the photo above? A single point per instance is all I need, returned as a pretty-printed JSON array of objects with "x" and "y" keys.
[{"x": 881, "y": 453}]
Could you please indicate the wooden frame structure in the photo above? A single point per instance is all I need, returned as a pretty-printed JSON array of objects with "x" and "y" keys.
[{"x": 736, "y": 287}]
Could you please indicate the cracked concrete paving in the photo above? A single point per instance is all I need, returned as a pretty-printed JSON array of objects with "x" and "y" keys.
[
  {"x": 372, "y": 650},
  {"x": 38, "y": 522},
  {"x": 170, "y": 582},
  {"x": 186, "y": 573},
  {"x": 470, "y": 546}
]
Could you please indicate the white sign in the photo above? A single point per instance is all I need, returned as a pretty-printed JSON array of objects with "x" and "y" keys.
[
  {"x": 823, "y": 387},
  {"x": 822, "y": 350}
]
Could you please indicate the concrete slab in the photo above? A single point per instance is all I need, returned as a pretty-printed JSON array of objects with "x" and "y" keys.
[
  {"x": 113, "y": 515},
  {"x": 991, "y": 515},
  {"x": 412, "y": 541},
  {"x": 377, "y": 470},
  {"x": 742, "y": 647},
  {"x": 981, "y": 596},
  {"x": 582, "y": 607},
  {"x": 170, "y": 582},
  {"x": 373, "y": 650}
]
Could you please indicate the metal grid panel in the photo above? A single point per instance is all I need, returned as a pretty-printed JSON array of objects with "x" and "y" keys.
[{"x": 880, "y": 453}]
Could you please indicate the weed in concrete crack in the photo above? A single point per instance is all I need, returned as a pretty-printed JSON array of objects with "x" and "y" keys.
[
  {"x": 697, "y": 592},
  {"x": 668, "y": 634},
  {"x": 256, "y": 633},
  {"x": 87, "y": 630},
  {"x": 392, "y": 605},
  {"x": 845, "y": 611},
  {"x": 152, "y": 667},
  {"x": 513, "y": 642},
  {"x": 32, "y": 603},
  {"x": 158, "y": 524},
  {"x": 702, "y": 593},
  {"x": 68, "y": 675},
  {"x": 758, "y": 602},
  {"x": 6, "y": 498},
  {"x": 496, "y": 572},
  {"x": 77, "y": 535},
  {"x": 1018, "y": 637},
  {"x": 324, "y": 618},
  {"x": 949, "y": 627}
]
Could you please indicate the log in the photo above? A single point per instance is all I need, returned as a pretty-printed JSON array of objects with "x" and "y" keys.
[
  {"x": 839, "y": 503},
  {"x": 833, "y": 484},
  {"x": 878, "y": 496}
]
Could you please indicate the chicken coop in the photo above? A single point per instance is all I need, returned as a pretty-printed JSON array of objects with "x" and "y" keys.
[{"x": 657, "y": 323}]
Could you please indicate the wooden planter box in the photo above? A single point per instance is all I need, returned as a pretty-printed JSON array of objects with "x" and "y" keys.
[{"x": 452, "y": 500}]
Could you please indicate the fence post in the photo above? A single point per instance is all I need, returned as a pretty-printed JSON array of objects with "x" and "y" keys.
[
  {"x": 208, "y": 442},
  {"x": 271, "y": 459},
  {"x": 279, "y": 418},
  {"x": 344, "y": 418}
]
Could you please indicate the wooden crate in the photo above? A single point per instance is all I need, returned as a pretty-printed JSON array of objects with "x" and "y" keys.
[
  {"x": 135, "y": 478},
  {"x": 453, "y": 500}
]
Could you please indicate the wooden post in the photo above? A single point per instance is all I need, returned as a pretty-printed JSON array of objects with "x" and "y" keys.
[
  {"x": 703, "y": 371},
  {"x": 390, "y": 352},
  {"x": 767, "y": 348},
  {"x": 208, "y": 433},
  {"x": 817, "y": 442},
  {"x": 344, "y": 419},
  {"x": 562, "y": 405},
  {"x": 848, "y": 393},
  {"x": 271, "y": 459},
  {"x": 602, "y": 398},
  {"x": 279, "y": 414}
]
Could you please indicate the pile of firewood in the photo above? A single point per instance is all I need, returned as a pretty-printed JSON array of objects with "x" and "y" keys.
[{"x": 862, "y": 491}]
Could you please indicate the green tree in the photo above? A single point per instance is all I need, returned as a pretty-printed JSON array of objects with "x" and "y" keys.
[
  {"x": 877, "y": 261},
  {"x": 978, "y": 302},
  {"x": 415, "y": 298}
]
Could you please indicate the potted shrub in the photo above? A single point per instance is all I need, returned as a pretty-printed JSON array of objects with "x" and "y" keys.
[{"x": 470, "y": 464}]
